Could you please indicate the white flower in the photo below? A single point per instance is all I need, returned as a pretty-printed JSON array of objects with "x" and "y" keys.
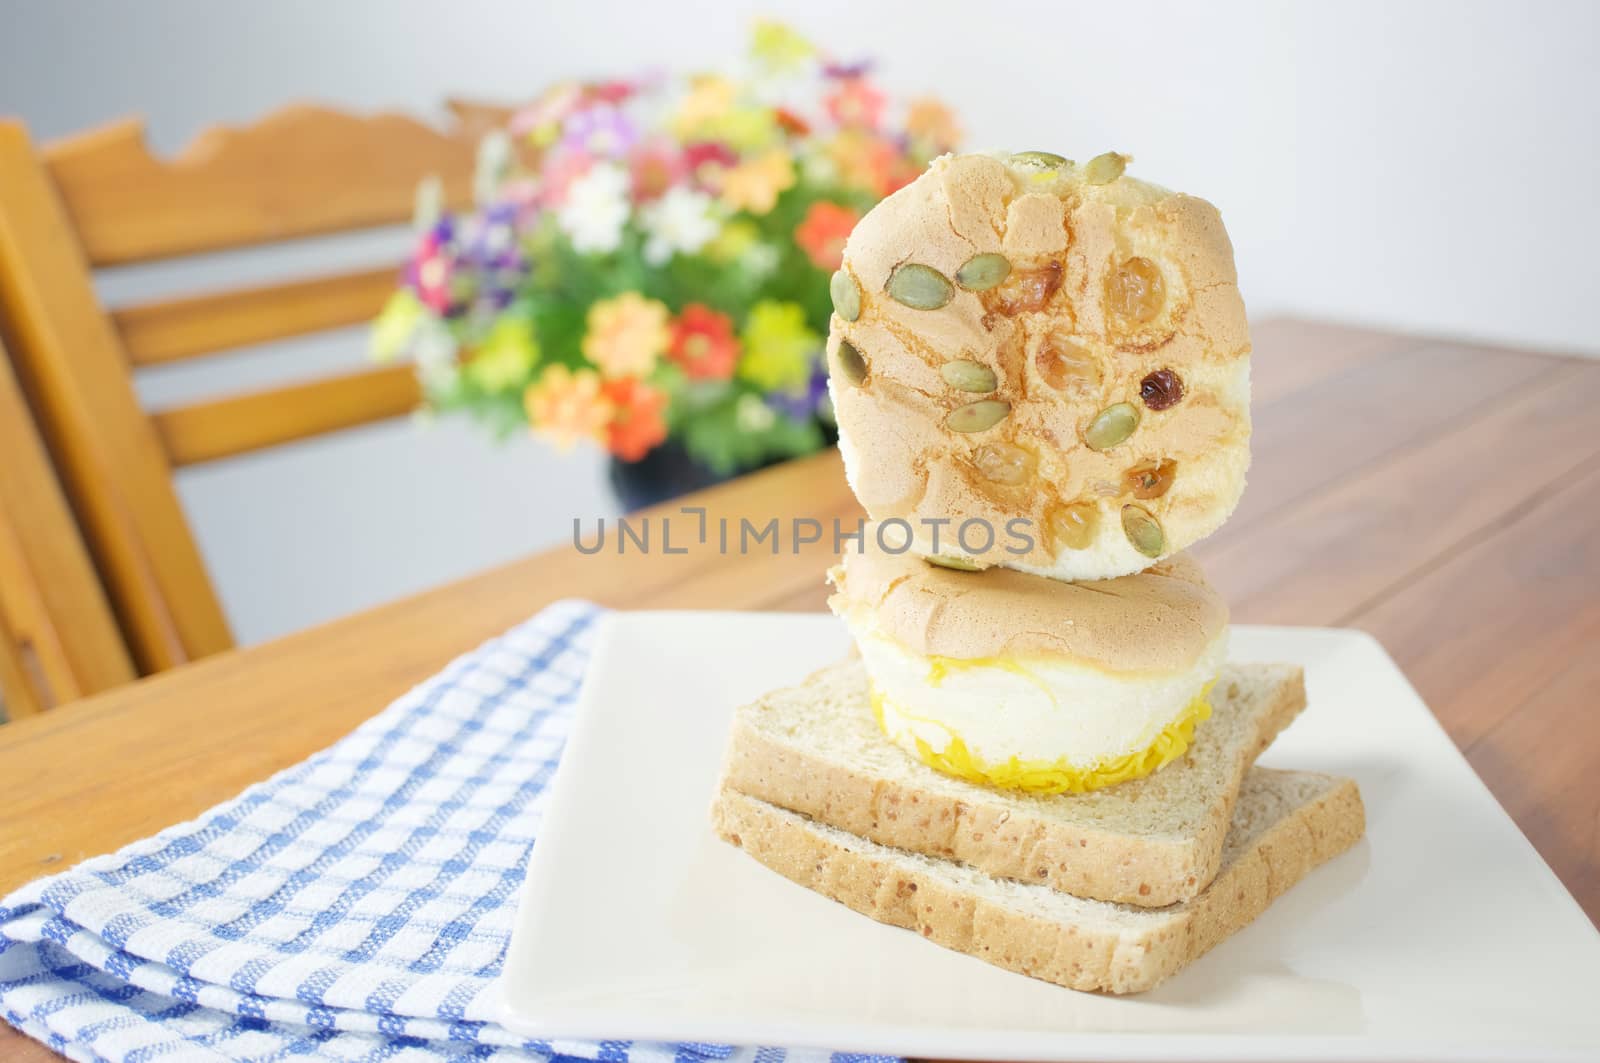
[
  {"x": 596, "y": 209},
  {"x": 759, "y": 260},
  {"x": 820, "y": 169},
  {"x": 680, "y": 222},
  {"x": 493, "y": 164},
  {"x": 752, "y": 415},
  {"x": 434, "y": 350}
]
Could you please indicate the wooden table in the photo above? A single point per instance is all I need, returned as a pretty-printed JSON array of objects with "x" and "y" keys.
[{"x": 1442, "y": 496}]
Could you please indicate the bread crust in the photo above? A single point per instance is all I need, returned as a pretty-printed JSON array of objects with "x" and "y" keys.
[
  {"x": 1155, "y": 621},
  {"x": 904, "y": 459},
  {"x": 1077, "y": 955},
  {"x": 1004, "y": 834}
]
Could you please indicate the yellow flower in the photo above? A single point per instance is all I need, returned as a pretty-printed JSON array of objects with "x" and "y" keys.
[
  {"x": 778, "y": 347},
  {"x": 746, "y": 128},
  {"x": 395, "y": 323},
  {"x": 565, "y": 406},
  {"x": 755, "y": 184},
  {"x": 778, "y": 46},
  {"x": 626, "y": 334},
  {"x": 733, "y": 241},
  {"x": 709, "y": 98},
  {"x": 506, "y": 356}
]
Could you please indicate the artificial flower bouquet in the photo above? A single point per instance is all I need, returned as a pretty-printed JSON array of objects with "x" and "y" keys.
[{"x": 650, "y": 259}]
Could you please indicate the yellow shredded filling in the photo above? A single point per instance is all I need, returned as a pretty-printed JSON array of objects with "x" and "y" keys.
[{"x": 1059, "y": 776}]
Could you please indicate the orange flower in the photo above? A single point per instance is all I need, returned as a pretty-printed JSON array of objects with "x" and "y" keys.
[
  {"x": 790, "y": 122},
  {"x": 867, "y": 162},
  {"x": 703, "y": 343},
  {"x": 565, "y": 406},
  {"x": 626, "y": 334},
  {"x": 822, "y": 233},
  {"x": 755, "y": 184},
  {"x": 932, "y": 123},
  {"x": 637, "y": 426}
]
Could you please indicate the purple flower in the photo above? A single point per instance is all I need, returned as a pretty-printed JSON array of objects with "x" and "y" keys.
[
  {"x": 601, "y": 130},
  {"x": 492, "y": 250},
  {"x": 469, "y": 265},
  {"x": 843, "y": 71},
  {"x": 802, "y": 405}
]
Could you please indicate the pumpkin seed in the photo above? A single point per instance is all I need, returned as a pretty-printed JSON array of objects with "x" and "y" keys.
[
  {"x": 920, "y": 287},
  {"x": 1103, "y": 169},
  {"x": 1143, "y": 531},
  {"x": 852, "y": 366},
  {"x": 982, "y": 272},
  {"x": 968, "y": 376},
  {"x": 1111, "y": 426},
  {"x": 960, "y": 564},
  {"x": 1039, "y": 160},
  {"x": 977, "y": 416},
  {"x": 846, "y": 295}
]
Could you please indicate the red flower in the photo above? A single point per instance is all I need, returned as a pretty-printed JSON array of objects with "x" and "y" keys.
[
  {"x": 703, "y": 343},
  {"x": 612, "y": 91},
  {"x": 823, "y": 231},
  {"x": 433, "y": 270},
  {"x": 707, "y": 155},
  {"x": 636, "y": 425}
]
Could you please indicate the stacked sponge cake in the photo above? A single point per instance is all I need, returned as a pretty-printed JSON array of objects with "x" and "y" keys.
[{"x": 1040, "y": 754}]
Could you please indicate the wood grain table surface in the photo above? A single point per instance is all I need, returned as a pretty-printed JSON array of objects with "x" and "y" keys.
[{"x": 1442, "y": 496}]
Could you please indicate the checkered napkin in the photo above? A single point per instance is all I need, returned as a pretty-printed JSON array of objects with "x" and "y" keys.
[{"x": 355, "y": 907}]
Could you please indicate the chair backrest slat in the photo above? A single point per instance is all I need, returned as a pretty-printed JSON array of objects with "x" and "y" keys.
[
  {"x": 60, "y": 636},
  {"x": 302, "y": 171},
  {"x": 171, "y": 330},
  {"x": 101, "y": 199},
  {"x": 238, "y": 424},
  {"x": 109, "y": 455}
]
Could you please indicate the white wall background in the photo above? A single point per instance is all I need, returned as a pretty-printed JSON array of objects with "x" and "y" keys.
[{"x": 1427, "y": 165}]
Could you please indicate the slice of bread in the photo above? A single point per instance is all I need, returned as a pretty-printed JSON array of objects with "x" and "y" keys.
[
  {"x": 816, "y": 749},
  {"x": 1284, "y": 824}
]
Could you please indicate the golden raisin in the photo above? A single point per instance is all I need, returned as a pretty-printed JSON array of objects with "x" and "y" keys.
[
  {"x": 1136, "y": 291},
  {"x": 1065, "y": 366},
  {"x": 1150, "y": 479},
  {"x": 1004, "y": 463},
  {"x": 1025, "y": 290},
  {"x": 1070, "y": 527}
]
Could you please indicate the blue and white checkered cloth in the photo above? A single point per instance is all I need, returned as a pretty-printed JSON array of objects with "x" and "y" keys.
[{"x": 355, "y": 907}]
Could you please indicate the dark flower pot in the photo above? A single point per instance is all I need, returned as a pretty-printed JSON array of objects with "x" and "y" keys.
[
  {"x": 668, "y": 471},
  {"x": 665, "y": 473}
]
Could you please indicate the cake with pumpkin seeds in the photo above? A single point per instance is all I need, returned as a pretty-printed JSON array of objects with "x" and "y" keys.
[
  {"x": 1023, "y": 765},
  {"x": 1022, "y": 337}
]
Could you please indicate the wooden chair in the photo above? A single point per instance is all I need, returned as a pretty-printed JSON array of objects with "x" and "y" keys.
[
  {"x": 58, "y": 637},
  {"x": 101, "y": 199}
]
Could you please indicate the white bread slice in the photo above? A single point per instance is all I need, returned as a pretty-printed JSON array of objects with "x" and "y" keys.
[
  {"x": 816, "y": 749},
  {"x": 1284, "y": 824}
]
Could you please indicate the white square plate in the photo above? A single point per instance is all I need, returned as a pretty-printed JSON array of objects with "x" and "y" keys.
[{"x": 1443, "y": 935}]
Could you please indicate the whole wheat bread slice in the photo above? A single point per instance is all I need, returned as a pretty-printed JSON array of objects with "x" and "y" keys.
[
  {"x": 816, "y": 749},
  {"x": 1284, "y": 824}
]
